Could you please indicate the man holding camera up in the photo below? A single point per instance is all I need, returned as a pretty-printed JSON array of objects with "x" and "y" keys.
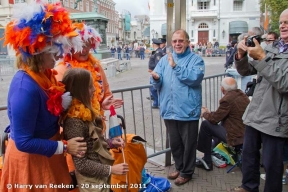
[{"x": 266, "y": 118}]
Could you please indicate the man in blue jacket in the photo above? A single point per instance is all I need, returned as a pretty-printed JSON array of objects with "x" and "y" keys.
[{"x": 178, "y": 77}]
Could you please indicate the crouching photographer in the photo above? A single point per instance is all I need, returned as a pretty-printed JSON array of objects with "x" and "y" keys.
[{"x": 266, "y": 117}]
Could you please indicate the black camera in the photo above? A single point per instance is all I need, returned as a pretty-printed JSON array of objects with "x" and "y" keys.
[{"x": 250, "y": 43}]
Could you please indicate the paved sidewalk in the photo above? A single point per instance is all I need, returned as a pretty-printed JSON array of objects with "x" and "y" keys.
[{"x": 204, "y": 181}]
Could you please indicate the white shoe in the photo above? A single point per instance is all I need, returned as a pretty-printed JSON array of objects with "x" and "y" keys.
[{"x": 263, "y": 176}]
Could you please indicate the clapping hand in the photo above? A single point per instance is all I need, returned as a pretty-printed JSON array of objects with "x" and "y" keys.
[
  {"x": 170, "y": 59},
  {"x": 110, "y": 100}
]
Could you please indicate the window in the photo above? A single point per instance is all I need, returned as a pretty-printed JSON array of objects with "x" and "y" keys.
[
  {"x": 93, "y": 7},
  {"x": 87, "y": 6},
  {"x": 192, "y": 2},
  {"x": 203, "y": 5},
  {"x": 66, "y": 3},
  {"x": 49, "y": 1},
  {"x": 237, "y": 5},
  {"x": 214, "y": 32},
  {"x": 81, "y": 5},
  {"x": 72, "y": 4},
  {"x": 19, "y": 1},
  {"x": 203, "y": 25},
  {"x": 214, "y": 2},
  {"x": 192, "y": 35}
]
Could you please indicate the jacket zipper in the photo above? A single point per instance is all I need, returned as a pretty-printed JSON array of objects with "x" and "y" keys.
[
  {"x": 278, "y": 128},
  {"x": 173, "y": 82}
]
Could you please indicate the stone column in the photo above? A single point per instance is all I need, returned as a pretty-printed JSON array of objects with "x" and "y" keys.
[{"x": 5, "y": 2}]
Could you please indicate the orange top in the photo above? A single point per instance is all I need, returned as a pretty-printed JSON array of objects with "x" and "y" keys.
[{"x": 63, "y": 66}]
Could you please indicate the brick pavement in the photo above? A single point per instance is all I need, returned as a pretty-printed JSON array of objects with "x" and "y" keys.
[{"x": 204, "y": 181}]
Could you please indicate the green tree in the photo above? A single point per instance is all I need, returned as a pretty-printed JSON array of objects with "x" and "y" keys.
[{"x": 275, "y": 8}]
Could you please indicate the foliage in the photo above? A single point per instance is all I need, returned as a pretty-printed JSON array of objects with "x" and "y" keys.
[
  {"x": 222, "y": 47},
  {"x": 275, "y": 8}
]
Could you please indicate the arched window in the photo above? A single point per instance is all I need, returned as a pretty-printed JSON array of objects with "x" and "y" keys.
[{"x": 203, "y": 25}]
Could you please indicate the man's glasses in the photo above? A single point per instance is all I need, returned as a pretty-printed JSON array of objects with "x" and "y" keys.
[
  {"x": 283, "y": 22},
  {"x": 179, "y": 41}
]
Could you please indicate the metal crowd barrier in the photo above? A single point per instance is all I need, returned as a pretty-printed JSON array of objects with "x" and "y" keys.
[
  {"x": 7, "y": 66},
  {"x": 146, "y": 122},
  {"x": 142, "y": 120}
]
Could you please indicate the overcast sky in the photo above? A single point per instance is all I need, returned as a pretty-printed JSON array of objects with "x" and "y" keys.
[{"x": 135, "y": 7}]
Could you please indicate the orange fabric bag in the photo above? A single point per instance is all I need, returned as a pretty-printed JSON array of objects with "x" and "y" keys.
[{"x": 136, "y": 158}]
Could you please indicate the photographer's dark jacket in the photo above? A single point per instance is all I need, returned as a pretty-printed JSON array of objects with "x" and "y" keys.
[
  {"x": 230, "y": 111},
  {"x": 268, "y": 110}
]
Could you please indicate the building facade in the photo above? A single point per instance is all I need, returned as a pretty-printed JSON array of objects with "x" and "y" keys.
[
  {"x": 104, "y": 7},
  {"x": 107, "y": 8},
  {"x": 210, "y": 20}
]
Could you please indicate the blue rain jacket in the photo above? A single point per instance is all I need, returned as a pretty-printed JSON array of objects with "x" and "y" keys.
[{"x": 180, "y": 91}]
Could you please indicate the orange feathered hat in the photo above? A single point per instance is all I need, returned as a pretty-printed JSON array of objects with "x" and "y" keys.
[{"x": 41, "y": 27}]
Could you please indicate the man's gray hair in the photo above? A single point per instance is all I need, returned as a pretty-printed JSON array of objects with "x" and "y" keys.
[
  {"x": 241, "y": 36},
  {"x": 183, "y": 31},
  {"x": 257, "y": 31},
  {"x": 228, "y": 87}
]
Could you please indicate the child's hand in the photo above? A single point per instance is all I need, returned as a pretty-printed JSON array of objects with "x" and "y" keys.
[
  {"x": 120, "y": 169},
  {"x": 118, "y": 142}
]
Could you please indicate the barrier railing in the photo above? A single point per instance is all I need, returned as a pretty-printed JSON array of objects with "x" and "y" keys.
[
  {"x": 142, "y": 120},
  {"x": 7, "y": 66}
]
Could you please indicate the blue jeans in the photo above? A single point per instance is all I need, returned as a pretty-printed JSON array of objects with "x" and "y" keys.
[
  {"x": 154, "y": 94},
  {"x": 142, "y": 56},
  {"x": 113, "y": 55},
  {"x": 127, "y": 56},
  {"x": 119, "y": 56}
]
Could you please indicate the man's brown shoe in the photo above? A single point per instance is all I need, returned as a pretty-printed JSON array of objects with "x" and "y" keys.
[
  {"x": 173, "y": 175},
  {"x": 238, "y": 189},
  {"x": 181, "y": 180}
]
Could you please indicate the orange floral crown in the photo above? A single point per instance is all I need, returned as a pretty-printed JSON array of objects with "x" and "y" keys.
[{"x": 41, "y": 27}]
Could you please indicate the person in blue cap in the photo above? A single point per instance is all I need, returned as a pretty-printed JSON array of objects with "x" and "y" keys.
[{"x": 156, "y": 55}]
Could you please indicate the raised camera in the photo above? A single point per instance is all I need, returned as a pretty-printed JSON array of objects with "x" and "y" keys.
[{"x": 250, "y": 43}]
